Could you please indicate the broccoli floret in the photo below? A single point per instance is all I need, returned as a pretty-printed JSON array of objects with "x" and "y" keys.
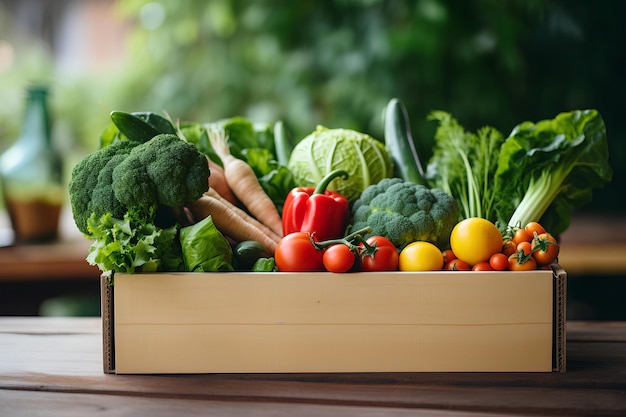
[
  {"x": 90, "y": 184},
  {"x": 406, "y": 212},
  {"x": 164, "y": 170}
]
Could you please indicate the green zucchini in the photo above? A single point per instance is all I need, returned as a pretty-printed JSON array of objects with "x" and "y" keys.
[
  {"x": 400, "y": 143},
  {"x": 246, "y": 253},
  {"x": 282, "y": 143}
]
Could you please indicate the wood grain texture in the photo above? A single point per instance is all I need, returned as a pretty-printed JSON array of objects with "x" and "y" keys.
[
  {"x": 308, "y": 322},
  {"x": 54, "y": 368}
]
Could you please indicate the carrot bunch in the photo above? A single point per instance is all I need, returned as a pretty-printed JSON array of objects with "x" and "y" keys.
[{"x": 231, "y": 186}]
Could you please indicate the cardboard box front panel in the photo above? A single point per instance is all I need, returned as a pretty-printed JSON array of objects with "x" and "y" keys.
[{"x": 321, "y": 322}]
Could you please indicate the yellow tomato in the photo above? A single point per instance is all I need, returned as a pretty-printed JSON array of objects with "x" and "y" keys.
[
  {"x": 475, "y": 240},
  {"x": 420, "y": 256}
]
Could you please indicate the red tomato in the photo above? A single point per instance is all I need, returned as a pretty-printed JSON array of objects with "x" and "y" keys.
[
  {"x": 524, "y": 248},
  {"x": 338, "y": 258},
  {"x": 499, "y": 261},
  {"x": 448, "y": 256},
  {"x": 528, "y": 265},
  {"x": 379, "y": 241},
  {"x": 295, "y": 253},
  {"x": 385, "y": 258},
  {"x": 521, "y": 235},
  {"x": 534, "y": 227},
  {"x": 545, "y": 249},
  {"x": 482, "y": 266},
  {"x": 457, "y": 265}
]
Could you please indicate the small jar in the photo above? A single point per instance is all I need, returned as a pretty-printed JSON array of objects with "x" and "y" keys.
[{"x": 31, "y": 175}]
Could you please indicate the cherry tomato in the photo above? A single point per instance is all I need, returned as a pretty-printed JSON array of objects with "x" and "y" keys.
[
  {"x": 448, "y": 256},
  {"x": 499, "y": 261},
  {"x": 528, "y": 265},
  {"x": 545, "y": 249},
  {"x": 521, "y": 235},
  {"x": 457, "y": 265},
  {"x": 524, "y": 248},
  {"x": 482, "y": 266},
  {"x": 338, "y": 258},
  {"x": 379, "y": 241},
  {"x": 385, "y": 258},
  {"x": 534, "y": 227},
  {"x": 295, "y": 253},
  {"x": 509, "y": 247}
]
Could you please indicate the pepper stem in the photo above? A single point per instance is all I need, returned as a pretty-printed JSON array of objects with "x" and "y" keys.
[{"x": 323, "y": 184}]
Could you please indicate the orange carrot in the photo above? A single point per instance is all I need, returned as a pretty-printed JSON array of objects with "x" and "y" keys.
[
  {"x": 244, "y": 183},
  {"x": 230, "y": 223},
  {"x": 245, "y": 216},
  {"x": 217, "y": 181}
]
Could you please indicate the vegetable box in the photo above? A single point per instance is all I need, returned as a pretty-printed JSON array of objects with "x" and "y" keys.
[{"x": 444, "y": 321}]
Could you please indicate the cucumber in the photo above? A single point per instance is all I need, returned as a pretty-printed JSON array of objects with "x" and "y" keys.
[
  {"x": 282, "y": 143},
  {"x": 401, "y": 145},
  {"x": 246, "y": 253}
]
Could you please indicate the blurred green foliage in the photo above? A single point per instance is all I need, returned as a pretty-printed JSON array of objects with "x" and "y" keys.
[{"x": 337, "y": 63}]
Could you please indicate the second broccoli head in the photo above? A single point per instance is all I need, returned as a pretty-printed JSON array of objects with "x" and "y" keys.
[
  {"x": 406, "y": 212},
  {"x": 164, "y": 171}
]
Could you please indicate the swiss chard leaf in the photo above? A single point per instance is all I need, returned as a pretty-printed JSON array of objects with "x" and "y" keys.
[{"x": 550, "y": 167}]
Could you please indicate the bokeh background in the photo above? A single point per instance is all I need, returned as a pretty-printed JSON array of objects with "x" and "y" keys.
[
  {"x": 309, "y": 62},
  {"x": 337, "y": 63}
]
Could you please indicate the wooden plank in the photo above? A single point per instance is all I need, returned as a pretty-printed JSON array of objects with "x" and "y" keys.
[
  {"x": 50, "y": 325},
  {"x": 328, "y": 348},
  {"x": 319, "y": 322},
  {"x": 38, "y": 366},
  {"x": 604, "y": 331},
  {"x": 323, "y": 298},
  {"x": 29, "y": 404}
]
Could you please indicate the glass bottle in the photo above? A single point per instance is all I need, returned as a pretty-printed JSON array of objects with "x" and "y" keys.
[{"x": 31, "y": 174}]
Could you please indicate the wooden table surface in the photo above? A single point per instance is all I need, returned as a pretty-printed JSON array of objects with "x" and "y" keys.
[{"x": 53, "y": 367}]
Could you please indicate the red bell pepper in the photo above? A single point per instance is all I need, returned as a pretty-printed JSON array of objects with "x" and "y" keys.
[{"x": 315, "y": 210}]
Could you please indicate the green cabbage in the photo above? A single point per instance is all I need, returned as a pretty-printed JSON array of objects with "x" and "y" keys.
[{"x": 364, "y": 158}]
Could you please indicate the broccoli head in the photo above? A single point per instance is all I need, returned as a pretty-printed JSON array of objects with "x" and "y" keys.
[
  {"x": 90, "y": 184},
  {"x": 406, "y": 212},
  {"x": 165, "y": 170},
  {"x": 162, "y": 172}
]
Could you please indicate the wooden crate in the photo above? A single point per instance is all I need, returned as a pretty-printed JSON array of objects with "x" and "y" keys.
[{"x": 322, "y": 322}]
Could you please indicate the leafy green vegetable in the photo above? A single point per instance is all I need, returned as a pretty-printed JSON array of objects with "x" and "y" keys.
[
  {"x": 136, "y": 126},
  {"x": 205, "y": 249},
  {"x": 133, "y": 243},
  {"x": 541, "y": 172},
  {"x": 325, "y": 150},
  {"x": 265, "y": 265},
  {"x": 128, "y": 196},
  {"x": 464, "y": 165},
  {"x": 548, "y": 168}
]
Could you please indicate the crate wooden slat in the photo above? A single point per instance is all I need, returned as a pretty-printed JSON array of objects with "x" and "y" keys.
[{"x": 321, "y": 322}]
